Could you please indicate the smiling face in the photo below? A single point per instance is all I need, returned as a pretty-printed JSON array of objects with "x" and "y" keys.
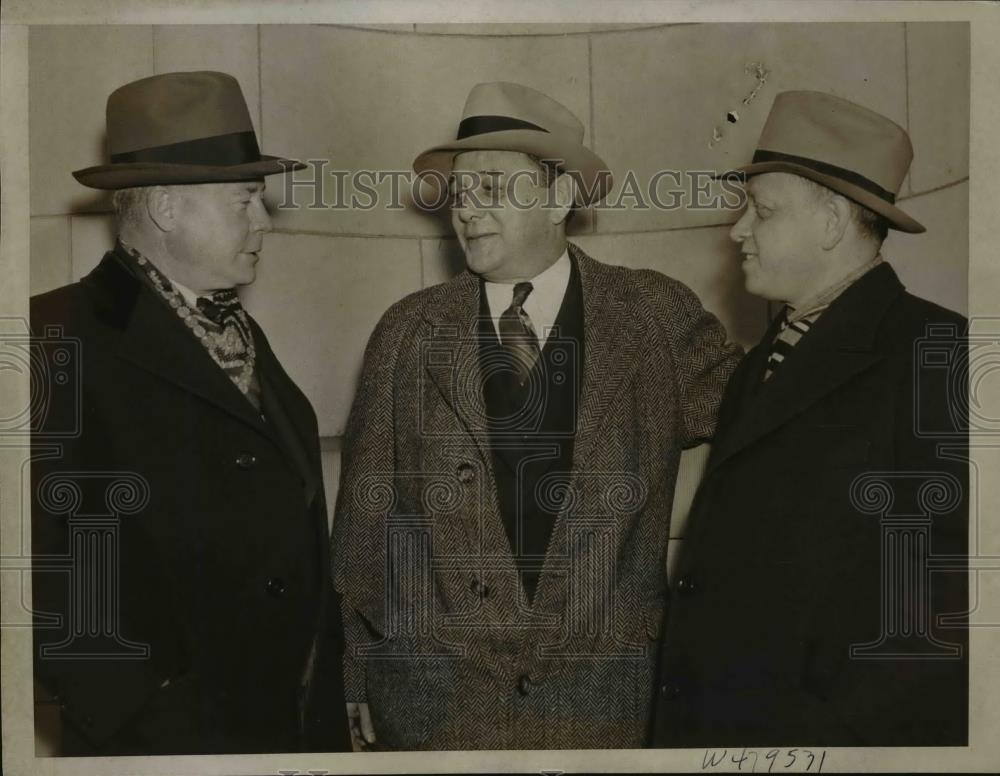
[
  {"x": 780, "y": 234},
  {"x": 220, "y": 229},
  {"x": 499, "y": 218}
]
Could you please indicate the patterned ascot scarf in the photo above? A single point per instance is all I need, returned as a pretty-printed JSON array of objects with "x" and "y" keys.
[{"x": 218, "y": 321}]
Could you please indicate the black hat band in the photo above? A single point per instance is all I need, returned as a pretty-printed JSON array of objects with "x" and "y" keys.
[
  {"x": 483, "y": 125},
  {"x": 219, "y": 151},
  {"x": 827, "y": 169}
]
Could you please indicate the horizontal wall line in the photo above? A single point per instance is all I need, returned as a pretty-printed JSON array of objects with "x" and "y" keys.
[
  {"x": 626, "y": 27},
  {"x": 324, "y": 233},
  {"x": 936, "y": 189}
]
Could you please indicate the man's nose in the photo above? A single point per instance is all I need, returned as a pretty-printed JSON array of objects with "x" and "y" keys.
[
  {"x": 466, "y": 209},
  {"x": 741, "y": 229},
  {"x": 261, "y": 217}
]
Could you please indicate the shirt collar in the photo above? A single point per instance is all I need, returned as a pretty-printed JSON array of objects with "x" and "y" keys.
[
  {"x": 190, "y": 297},
  {"x": 547, "y": 291},
  {"x": 553, "y": 279},
  {"x": 822, "y": 300}
]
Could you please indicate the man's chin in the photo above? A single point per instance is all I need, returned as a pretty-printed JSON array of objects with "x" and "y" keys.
[
  {"x": 247, "y": 269},
  {"x": 752, "y": 283},
  {"x": 480, "y": 262},
  {"x": 246, "y": 277}
]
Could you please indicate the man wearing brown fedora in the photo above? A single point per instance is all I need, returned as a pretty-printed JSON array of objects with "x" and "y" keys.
[
  {"x": 181, "y": 588},
  {"x": 821, "y": 590},
  {"x": 510, "y": 459}
]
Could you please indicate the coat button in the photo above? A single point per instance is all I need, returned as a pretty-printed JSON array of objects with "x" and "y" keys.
[
  {"x": 465, "y": 472},
  {"x": 246, "y": 460},
  {"x": 670, "y": 690},
  {"x": 524, "y": 684},
  {"x": 275, "y": 586},
  {"x": 480, "y": 588},
  {"x": 686, "y": 585}
]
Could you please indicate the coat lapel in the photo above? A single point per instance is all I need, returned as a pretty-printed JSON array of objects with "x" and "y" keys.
[
  {"x": 610, "y": 356},
  {"x": 451, "y": 355},
  {"x": 153, "y": 339},
  {"x": 286, "y": 414},
  {"x": 839, "y": 346},
  {"x": 612, "y": 339}
]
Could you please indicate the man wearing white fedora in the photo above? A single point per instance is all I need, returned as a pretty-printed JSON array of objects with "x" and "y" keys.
[
  {"x": 821, "y": 592},
  {"x": 510, "y": 460},
  {"x": 181, "y": 586}
]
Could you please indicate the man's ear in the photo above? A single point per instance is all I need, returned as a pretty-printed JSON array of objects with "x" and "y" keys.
[
  {"x": 161, "y": 206},
  {"x": 564, "y": 191},
  {"x": 837, "y": 215}
]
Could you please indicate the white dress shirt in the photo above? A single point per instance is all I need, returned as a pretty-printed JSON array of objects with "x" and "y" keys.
[
  {"x": 190, "y": 297},
  {"x": 542, "y": 304}
]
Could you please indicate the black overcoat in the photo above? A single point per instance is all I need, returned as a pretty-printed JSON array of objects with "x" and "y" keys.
[
  {"x": 159, "y": 491},
  {"x": 794, "y": 554}
]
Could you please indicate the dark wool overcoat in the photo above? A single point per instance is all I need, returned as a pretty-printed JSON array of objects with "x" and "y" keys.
[
  {"x": 180, "y": 541},
  {"x": 821, "y": 587}
]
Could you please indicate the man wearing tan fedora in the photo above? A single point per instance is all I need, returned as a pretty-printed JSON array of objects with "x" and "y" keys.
[
  {"x": 510, "y": 459},
  {"x": 181, "y": 588},
  {"x": 821, "y": 590}
]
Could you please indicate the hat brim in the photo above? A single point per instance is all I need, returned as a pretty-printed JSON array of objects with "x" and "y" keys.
[
  {"x": 127, "y": 175},
  {"x": 897, "y": 218},
  {"x": 593, "y": 177}
]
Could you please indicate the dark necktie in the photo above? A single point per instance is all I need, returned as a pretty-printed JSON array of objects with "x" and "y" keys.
[{"x": 517, "y": 334}]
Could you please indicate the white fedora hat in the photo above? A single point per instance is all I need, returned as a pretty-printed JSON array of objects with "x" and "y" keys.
[{"x": 503, "y": 116}]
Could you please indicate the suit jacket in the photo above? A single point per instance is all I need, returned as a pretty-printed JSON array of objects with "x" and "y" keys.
[
  {"x": 441, "y": 640},
  {"x": 157, "y": 485},
  {"x": 793, "y": 620},
  {"x": 532, "y": 428}
]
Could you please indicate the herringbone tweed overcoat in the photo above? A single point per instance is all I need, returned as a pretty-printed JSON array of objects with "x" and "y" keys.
[{"x": 441, "y": 642}]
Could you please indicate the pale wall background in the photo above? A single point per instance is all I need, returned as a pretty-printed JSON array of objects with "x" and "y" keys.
[{"x": 373, "y": 98}]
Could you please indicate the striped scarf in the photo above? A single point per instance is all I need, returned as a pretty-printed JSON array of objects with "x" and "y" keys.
[{"x": 796, "y": 322}]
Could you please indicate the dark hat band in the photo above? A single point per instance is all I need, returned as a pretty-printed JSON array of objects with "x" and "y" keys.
[
  {"x": 483, "y": 125},
  {"x": 218, "y": 151},
  {"x": 827, "y": 169}
]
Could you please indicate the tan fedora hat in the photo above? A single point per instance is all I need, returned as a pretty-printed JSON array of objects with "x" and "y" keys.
[
  {"x": 174, "y": 128},
  {"x": 846, "y": 147},
  {"x": 503, "y": 116}
]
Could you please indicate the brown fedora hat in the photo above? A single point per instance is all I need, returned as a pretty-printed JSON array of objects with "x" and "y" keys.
[
  {"x": 503, "y": 116},
  {"x": 846, "y": 147},
  {"x": 175, "y": 128}
]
